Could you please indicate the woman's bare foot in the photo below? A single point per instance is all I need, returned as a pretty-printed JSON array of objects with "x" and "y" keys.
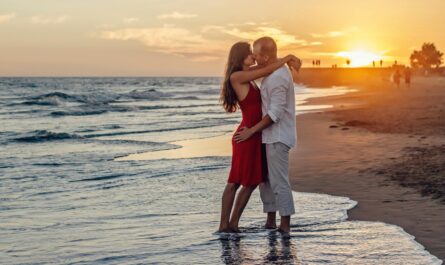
[
  {"x": 225, "y": 230},
  {"x": 234, "y": 228}
]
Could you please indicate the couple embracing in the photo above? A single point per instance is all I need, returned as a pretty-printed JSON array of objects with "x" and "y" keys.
[{"x": 261, "y": 144}]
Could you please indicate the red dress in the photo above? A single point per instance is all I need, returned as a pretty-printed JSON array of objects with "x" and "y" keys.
[{"x": 248, "y": 157}]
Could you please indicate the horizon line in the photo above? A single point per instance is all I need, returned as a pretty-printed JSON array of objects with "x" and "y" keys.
[{"x": 153, "y": 76}]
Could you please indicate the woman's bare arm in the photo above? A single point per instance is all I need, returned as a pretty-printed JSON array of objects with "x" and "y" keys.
[{"x": 241, "y": 77}]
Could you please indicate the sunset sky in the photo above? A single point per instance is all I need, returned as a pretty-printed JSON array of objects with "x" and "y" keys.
[{"x": 192, "y": 37}]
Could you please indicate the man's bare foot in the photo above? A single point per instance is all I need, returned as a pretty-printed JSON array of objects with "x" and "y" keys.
[
  {"x": 284, "y": 224},
  {"x": 282, "y": 229},
  {"x": 284, "y": 234},
  {"x": 271, "y": 221},
  {"x": 270, "y": 226}
]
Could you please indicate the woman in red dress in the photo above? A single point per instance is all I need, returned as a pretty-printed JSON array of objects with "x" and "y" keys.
[{"x": 248, "y": 165}]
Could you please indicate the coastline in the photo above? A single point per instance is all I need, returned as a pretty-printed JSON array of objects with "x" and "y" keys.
[
  {"x": 339, "y": 160},
  {"x": 349, "y": 160}
]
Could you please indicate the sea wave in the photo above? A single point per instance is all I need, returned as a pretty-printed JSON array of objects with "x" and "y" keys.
[
  {"x": 93, "y": 98},
  {"x": 37, "y": 136},
  {"x": 150, "y": 94},
  {"x": 44, "y": 135},
  {"x": 78, "y": 112},
  {"x": 49, "y": 98}
]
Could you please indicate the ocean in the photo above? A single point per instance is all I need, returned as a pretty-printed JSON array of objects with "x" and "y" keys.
[{"x": 64, "y": 199}]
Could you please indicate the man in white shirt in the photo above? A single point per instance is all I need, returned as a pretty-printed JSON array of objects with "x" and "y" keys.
[{"x": 278, "y": 132}]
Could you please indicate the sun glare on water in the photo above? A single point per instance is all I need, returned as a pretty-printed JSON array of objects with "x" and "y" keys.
[{"x": 360, "y": 58}]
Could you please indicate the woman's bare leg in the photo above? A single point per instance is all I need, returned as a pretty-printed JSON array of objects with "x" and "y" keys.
[
  {"x": 226, "y": 207},
  {"x": 241, "y": 201}
]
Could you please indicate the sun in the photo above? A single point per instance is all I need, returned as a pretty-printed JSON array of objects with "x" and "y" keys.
[{"x": 359, "y": 58}]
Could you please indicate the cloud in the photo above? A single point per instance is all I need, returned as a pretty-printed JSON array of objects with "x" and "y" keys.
[
  {"x": 169, "y": 39},
  {"x": 331, "y": 34},
  {"x": 251, "y": 32},
  {"x": 211, "y": 42},
  {"x": 248, "y": 23},
  {"x": 7, "y": 17},
  {"x": 316, "y": 43},
  {"x": 176, "y": 15},
  {"x": 129, "y": 20},
  {"x": 212, "y": 28},
  {"x": 334, "y": 34},
  {"x": 48, "y": 20}
]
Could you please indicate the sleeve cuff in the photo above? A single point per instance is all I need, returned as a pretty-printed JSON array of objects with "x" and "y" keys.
[{"x": 272, "y": 116}]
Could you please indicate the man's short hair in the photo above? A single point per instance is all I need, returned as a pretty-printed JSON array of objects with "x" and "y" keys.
[{"x": 267, "y": 46}]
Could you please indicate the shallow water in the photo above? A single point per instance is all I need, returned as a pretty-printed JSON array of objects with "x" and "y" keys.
[{"x": 64, "y": 200}]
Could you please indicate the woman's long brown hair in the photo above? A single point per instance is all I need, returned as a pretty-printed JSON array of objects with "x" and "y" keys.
[{"x": 237, "y": 54}]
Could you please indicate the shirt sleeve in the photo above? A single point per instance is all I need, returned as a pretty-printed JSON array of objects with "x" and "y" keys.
[{"x": 278, "y": 91}]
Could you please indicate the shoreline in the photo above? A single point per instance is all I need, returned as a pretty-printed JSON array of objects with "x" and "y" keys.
[
  {"x": 341, "y": 160},
  {"x": 346, "y": 161},
  {"x": 323, "y": 170}
]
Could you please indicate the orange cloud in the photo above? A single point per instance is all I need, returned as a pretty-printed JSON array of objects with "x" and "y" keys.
[
  {"x": 7, "y": 17},
  {"x": 176, "y": 15},
  {"x": 334, "y": 34}
]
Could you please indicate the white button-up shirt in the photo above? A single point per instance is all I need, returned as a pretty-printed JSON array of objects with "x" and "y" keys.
[{"x": 278, "y": 101}]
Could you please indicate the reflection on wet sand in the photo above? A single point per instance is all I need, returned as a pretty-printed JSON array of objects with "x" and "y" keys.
[
  {"x": 277, "y": 250},
  {"x": 205, "y": 147},
  {"x": 285, "y": 253}
]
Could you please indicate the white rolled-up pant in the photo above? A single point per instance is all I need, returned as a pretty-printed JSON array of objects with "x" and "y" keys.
[{"x": 276, "y": 193}]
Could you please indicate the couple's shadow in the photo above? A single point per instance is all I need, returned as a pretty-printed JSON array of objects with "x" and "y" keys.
[{"x": 277, "y": 249}]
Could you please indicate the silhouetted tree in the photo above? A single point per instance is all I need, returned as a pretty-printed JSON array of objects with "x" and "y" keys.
[
  {"x": 381, "y": 63},
  {"x": 428, "y": 56},
  {"x": 348, "y": 62}
]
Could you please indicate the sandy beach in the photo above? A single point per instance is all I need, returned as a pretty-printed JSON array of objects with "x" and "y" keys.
[{"x": 383, "y": 147}]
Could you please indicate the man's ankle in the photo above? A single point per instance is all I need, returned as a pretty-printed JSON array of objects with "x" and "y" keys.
[
  {"x": 271, "y": 220},
  {"x": 285, "y": 223}
]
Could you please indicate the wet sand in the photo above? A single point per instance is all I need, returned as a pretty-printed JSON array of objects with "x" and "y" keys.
[
  {"x": 214, "y": 146},
  {"x": 360, "y": 148},
  {"x": 373, "y": 147}
]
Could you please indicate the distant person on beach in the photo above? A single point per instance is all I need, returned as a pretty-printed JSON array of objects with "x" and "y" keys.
[
  {"x": 407, "y": 75},
  {"x": 396, "y": 77},
  {"x": 278, "y": 134},
  {"x": 239, "y": 90}
]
